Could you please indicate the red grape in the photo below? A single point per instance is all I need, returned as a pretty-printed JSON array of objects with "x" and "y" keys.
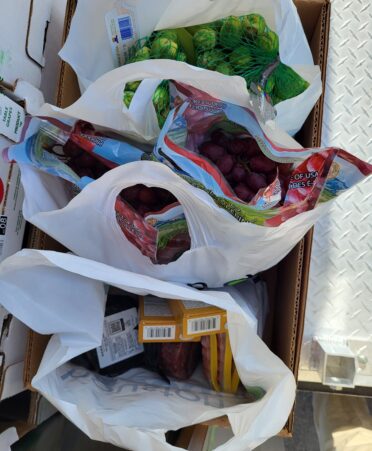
[
  {"x": 211, "y": 150},
  {"x": 284, "y": 182},
  {"x": 181, "y": 241},
  {"x": 70, "y": 149},
  {"x": 73, "y": 166},
  {"x": 86, "y": 128},
  {"x": 250, "y": 150},
  {"x": 283, "y": 193},
  {"x": 85, "y": 160},
  {"x": 271, "y": 176},
  {"x": 260, "y": 163},
  {"x": 229, "y": 177},
  {"x": 131, "y": 194},
  {"x": 243, "y": 192},
  {"x": 255, "y": 181},
  {"x": 238, "y": 173},
  {"x": 165, "y": 255},
  {"x": 143, "y": 209},
  {"x": 225, "y": 164},
  {"x": 238, "y": 146},
  {"x": 285, "y": 168},
  {"x": 218, "y": 137},
  {"x": 164, "y": 196},
  {"x": 99, "y": 170},
  {"x": 147, "y": 196}
]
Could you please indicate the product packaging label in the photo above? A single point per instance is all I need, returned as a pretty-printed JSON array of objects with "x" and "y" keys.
[
  {"x": 122, "y": 31},
  {"x": 159, "y": 333},
  {"x": 12, "y": 118},
  {"x": 12, "y": 223},
  {"x": 120, "y": 338},
  {"x": 206, "y": 324},
  {"x": 198, "y": 318},
  {"x": 157, "y": 322}
]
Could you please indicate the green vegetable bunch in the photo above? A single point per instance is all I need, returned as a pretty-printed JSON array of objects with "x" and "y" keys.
[
  {"x": 163, "y": 44},
  {"x": 242, "y": 46},
  {"x": 247, "y": 47}
]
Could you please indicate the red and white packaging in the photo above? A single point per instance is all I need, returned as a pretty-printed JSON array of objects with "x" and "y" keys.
[{"x": 12, "y": 223}]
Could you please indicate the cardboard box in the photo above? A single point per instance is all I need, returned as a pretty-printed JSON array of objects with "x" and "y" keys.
[
  {"x": 13, "y": 342},
  {"x": 24, "y": 26},
  {"x": 24, "y": 412},
  {"x": 198, "y": 319},
  {"x": 288, "y": 280},
  {"x": 12, "y": 224}
]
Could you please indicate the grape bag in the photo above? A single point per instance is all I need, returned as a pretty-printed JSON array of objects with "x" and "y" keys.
[
  {"x": 222, "y": 148},
  {"x": 227, "y": 237},
  {"x": 75, "y": 152},
  {"x": 154, "y": 221},
  {"x": 72, "y": 150}
]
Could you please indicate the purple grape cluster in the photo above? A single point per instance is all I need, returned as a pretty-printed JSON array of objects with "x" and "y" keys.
[
  {"x": 145, "y": 200},
  {"x": 243, "y": 164},
  {"x": 82, "y": 163}
]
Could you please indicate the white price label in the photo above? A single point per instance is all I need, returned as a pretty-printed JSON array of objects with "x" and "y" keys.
[
  {"x": 122, "y": 31},
  {"x": 120, "y": 338},
  {"x": 12, "y": 118},
  {"x": 207, "y": 324},
  {"x": 159, "y": 333}
]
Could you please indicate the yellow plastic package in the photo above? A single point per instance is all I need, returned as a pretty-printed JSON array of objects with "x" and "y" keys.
[{"x": 218, "y": 363}]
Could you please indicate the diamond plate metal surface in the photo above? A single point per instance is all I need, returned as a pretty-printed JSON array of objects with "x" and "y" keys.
[{"x": 340, "y": 290}]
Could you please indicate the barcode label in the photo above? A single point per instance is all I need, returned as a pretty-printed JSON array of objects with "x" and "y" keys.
[
  {"x": 122, "y": 29},
  {"x": 159, "y": 332},
  {"x": 125, "y": 27},
  {"x": 116, "y": 326},
  {"x": 208, "y": 324},
  {"x": 3, "y": 222}
]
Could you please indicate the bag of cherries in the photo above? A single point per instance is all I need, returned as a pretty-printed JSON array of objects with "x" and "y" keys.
[{"x": 225, "y": 150}]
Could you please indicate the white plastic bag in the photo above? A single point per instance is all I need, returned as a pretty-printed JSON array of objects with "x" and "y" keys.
[
  {"x": 63, "y": 295},
  {"x": 222, "y": 249},
  {"x": 102, "y": 103},
  {"x": 8, "y": 438},
  {"x": 281, "y": 15}
]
